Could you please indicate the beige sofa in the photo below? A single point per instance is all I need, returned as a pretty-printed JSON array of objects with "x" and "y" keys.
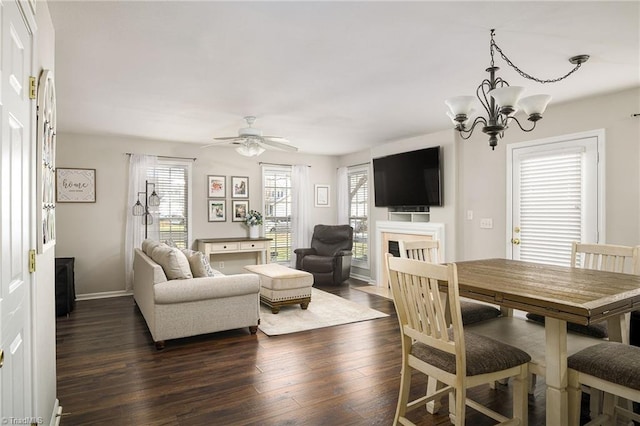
[{"x": 175, "y": 308}]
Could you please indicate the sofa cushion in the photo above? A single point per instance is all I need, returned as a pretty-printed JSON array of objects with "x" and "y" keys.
[
  {"x": 149, "y": 245},
  {"x": 199, "y": 264},
  {"x": 173, "y": 262}
]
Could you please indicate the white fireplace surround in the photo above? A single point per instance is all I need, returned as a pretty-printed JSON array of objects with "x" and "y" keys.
[{"x": 431, "y": 229}]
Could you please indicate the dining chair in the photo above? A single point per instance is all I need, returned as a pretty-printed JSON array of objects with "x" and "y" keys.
[
  {"x": 428, "y": 250},
  {"x": 611, "y": 367},
  {"x": 438, "y": 346}
]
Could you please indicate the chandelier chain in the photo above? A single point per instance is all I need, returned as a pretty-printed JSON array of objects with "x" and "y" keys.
[{"x": 524, "y": 74}]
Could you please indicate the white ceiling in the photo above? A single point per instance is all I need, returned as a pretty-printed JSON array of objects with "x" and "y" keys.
[{"x": 332, "y": 77}]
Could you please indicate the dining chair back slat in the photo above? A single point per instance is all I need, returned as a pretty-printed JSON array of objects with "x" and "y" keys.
[
  {"x": 427, "y": 300},
  {"x": 605, "y": 257},
  {"x": 425, "y": 250}
]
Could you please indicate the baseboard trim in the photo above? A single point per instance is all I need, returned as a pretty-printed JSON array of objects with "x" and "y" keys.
[
  {"x": 56, "y": 415},
  {"x": 361, "y": 277},
  {"x": 103, "y": 295}
]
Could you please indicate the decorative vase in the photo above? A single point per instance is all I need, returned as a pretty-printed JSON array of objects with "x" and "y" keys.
[{"x": 254, "y": 232}]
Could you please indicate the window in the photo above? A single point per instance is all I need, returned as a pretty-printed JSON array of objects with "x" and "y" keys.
[
  {"x": 276, "y": 189},
  {"x": 173, "y": 183},
  {"x": 358, "y": 178}
]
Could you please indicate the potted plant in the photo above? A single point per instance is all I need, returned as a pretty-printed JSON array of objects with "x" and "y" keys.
[{"x": 253, "y": 219}]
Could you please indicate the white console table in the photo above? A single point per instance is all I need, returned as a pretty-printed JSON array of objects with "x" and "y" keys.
[{"x": 260, "y": 246}]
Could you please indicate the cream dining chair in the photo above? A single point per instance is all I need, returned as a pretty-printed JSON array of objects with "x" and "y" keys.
[
  {"x": 438, "y": 347},
  {"x": 611, "y": 367},
  {"x": 428, "y": 250}
]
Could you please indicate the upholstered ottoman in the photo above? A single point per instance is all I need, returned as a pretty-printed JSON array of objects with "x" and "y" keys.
[{"x": 281, "y": 286}]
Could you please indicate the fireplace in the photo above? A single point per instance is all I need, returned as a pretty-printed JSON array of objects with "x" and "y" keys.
[{"x": 388, "y": 233}]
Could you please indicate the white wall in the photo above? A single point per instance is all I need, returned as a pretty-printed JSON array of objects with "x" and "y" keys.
[
  {"x": 93, "y": 233},
  {"x": 44, "y": 324},
  {"x": 483, "y": 172}
]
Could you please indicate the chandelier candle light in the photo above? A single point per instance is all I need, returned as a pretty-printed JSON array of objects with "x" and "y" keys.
[
  {"x": 501, "y": 101},
  {"x": 152, "y": 200}
]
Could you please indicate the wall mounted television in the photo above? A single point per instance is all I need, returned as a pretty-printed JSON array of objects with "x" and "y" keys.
[{"x": 409, "y": 179}]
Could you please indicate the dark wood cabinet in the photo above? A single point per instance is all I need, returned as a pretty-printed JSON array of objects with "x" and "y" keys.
[{"x": 65, "y": 285}]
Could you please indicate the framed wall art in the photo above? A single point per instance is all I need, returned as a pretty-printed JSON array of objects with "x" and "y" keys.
[
  {"x": 322, "y": 195},
  {"x": 240, "y": 209},
  {"x": 216, "y": 186},
  {"x": 217, "y": 210},
  {"x": 239, "y": 187},
  {"x": 75, "y": 185}
]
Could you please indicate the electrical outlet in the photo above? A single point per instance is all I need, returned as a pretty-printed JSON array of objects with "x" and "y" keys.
[
  {"x": 221, "y": 265},
  {"x": 486, "y": 223}
]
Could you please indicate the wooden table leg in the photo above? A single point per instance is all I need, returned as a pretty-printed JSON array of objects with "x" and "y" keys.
[{"x": 556, "y": 371}]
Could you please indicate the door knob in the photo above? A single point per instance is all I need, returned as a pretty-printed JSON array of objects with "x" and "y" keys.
[
  {"x": 1, "y": 358},
  {"x": 515, "y": 241}
]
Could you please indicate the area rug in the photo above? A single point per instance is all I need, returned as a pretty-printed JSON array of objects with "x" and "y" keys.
[{"x": 325, "y": 310}]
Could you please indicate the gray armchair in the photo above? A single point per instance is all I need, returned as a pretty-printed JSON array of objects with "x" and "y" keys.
[{"x": 329, "y": 257}]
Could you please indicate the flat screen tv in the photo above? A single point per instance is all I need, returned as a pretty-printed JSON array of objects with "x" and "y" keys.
[{"x": 408, "y": 179}]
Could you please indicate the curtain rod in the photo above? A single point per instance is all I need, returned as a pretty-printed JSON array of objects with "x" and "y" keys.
[
  {"x": 355, "y": 165},
  {"x": 278, "y": 164},
  {"x": 166, "y": 156}
]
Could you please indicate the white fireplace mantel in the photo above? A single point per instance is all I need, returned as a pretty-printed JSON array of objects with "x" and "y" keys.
[{"x": 430, "y": 229}]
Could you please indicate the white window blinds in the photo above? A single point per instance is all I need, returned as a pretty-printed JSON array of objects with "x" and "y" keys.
[
  {"x": 551, "y": 200},
  {"x": 358, "y": 178},
  {"x": 172, "y": 185}
]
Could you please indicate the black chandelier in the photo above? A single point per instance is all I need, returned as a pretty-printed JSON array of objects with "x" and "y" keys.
[{"x": 501, "y": 101}]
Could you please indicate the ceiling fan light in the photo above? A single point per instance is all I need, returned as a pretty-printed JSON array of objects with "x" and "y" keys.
[
  {"x": 535, "y": 104},
  {"x": 251, "y": 150},
  {"x": 460, "y": 105},
  {"x": 507, "y": 97}
]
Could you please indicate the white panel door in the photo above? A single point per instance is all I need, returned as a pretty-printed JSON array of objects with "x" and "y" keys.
[
  {"x": 15, "y": 280},
  {"x": 554, "y": 197}
]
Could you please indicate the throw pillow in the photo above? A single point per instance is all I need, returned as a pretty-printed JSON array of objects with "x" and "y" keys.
[
  {"x": 149, "y": 245},
  {"x": 199, "y": 263},
  {"x": 173, "y": 262}
]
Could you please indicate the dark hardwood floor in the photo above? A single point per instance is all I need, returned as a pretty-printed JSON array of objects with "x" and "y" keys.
[{"x": 109, "y": 373}]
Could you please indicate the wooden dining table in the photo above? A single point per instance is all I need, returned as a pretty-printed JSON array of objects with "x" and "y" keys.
[{"x": 561, "y": 294}]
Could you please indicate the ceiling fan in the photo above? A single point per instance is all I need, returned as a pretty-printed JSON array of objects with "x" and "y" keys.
[{"x": 251, "y": 142}]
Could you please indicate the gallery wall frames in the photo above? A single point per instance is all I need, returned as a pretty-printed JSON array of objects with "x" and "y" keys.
[
  {"x": 216, "y": 186},
  {"x": 239, "y": 187},
  {"x": 239, "y": 210},
  {"x": 217, "y": 210}
]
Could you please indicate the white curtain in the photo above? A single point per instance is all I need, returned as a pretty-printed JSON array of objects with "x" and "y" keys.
[
  {"x": 300, "y": 202},
  {"x": 134, "y": 234},
  {"x": 343, "y": 195}
]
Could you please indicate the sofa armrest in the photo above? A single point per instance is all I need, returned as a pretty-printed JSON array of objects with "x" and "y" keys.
[
  {"x": 194, "y": 289},
  {"x": 344, "y": 253}
]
